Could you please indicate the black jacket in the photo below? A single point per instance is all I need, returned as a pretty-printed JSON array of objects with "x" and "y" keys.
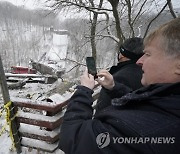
[
  {"x": 146, "y": 121},
  {"x": 127, "y": 73}
]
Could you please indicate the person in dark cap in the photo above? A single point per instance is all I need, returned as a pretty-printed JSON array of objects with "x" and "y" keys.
[{"x": 126, "y": 71}]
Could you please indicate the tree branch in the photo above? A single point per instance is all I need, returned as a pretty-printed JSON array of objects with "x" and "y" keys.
[
  {"x": 171, "y": 8},
  {"x": 154, "y": 19}
]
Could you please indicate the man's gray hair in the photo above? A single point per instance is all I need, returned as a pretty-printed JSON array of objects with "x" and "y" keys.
[{"x": 170, "y": 35}]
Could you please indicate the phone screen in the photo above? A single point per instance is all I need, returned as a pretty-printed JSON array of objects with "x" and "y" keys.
[{"x": 91, "y": 65}]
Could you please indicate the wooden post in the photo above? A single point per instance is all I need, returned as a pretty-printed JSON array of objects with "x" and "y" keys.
[{"x": 6, "y": 98}]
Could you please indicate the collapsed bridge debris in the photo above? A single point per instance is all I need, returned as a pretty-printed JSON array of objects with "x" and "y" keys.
[{"x": 44, "y": 69}]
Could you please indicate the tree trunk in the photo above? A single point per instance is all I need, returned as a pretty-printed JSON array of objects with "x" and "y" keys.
[
  {"x": 114, "y": 4},
  {"x": 93, "y": 29}
]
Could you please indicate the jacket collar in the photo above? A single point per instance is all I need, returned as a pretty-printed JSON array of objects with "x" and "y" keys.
[
  {"x": 120, "y": 65},
  {"x": 149, "y": 92}
]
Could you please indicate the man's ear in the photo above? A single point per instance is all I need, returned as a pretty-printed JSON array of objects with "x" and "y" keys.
[
  {"x": 122, "y": 58},
  {"x": 177, "y": 71}
]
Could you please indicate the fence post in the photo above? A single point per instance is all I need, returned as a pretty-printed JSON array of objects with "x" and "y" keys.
[{"x": 6, "y": 98}]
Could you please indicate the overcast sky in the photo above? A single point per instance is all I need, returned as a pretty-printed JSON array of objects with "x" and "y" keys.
[{"x": 30, "y": 4}]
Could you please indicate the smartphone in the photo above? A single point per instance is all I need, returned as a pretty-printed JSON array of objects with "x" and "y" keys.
[{"x": 91, "y": 66}]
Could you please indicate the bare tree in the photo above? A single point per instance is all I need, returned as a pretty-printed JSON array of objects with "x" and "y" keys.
[
  {"x": 104, "y": 21},
  {"x": 93, "y": 28},
  {"x": 122, "y": 11}
]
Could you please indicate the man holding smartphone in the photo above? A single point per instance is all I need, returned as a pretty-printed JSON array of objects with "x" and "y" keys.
[{"x": 126, "y": 72}]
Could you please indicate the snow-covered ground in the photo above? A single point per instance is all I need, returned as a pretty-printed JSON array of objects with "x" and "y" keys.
[{"x": 37, "y": 91}]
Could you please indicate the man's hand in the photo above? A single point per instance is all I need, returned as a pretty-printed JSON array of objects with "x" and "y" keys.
[
  {"x": 87, "y": 80},
  {"x": 105, "y": 79}
]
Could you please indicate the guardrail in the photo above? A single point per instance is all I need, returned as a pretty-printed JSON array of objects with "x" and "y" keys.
[
  {"x": 39, "y": 126},
  {"x": 39, "y": 122}
]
